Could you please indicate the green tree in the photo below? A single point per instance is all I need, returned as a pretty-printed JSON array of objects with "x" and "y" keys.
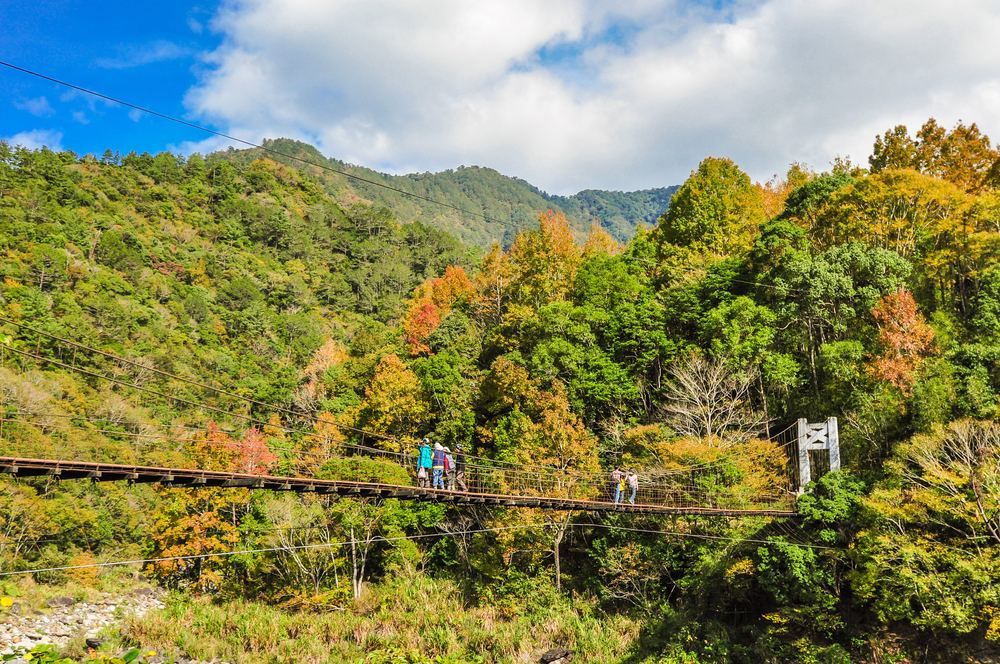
[{"x": 717, "y": 210}]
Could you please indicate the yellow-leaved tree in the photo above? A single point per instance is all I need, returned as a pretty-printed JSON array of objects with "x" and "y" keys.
[
  {"x": 544, "y": 261},
  {"x": 394, "y": 404}
]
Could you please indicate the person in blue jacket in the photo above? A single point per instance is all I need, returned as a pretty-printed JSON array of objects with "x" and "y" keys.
[{"x": 424, "y": 463}]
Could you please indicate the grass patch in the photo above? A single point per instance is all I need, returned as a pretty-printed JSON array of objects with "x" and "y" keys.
[{"x": 407, "y": 619}]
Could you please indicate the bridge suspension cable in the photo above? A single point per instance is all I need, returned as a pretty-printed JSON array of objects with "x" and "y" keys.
[
  {"x": 210, "y": 408},
  {"x": 489, "y": 477}
]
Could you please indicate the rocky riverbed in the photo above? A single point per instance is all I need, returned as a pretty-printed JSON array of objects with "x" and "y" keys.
[{"x": 60, "y": 619}]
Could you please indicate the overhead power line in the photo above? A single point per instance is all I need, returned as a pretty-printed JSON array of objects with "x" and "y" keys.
[
  {"x": 329, "y": 545},
  {"x": 272, "y": 549},
  {"x": 308, "y": 162},
  {"x": 242, "y": 141}
]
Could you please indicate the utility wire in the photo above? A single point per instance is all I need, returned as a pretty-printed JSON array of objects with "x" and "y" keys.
[
  {"x": 326, "y": 545},
  {"x": 273, "y": 549},
  {"x": 236, "y": 139},
  {"x": 698, "y": 535}
]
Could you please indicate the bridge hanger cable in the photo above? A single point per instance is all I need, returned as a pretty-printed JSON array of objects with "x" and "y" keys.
[
  {"x": 242, "y": 141},
  {"x": 532, "y": 481}
]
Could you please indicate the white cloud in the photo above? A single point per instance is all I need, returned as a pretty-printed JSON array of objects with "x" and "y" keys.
[
  {"x": 536, "y": 89},
  {"x": 36, "y": 139},
  {"x": 37, "y": 106},
  {"x": 138, "y": 55}
]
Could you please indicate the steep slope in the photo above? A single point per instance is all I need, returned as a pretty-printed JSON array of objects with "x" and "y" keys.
[{"x": 509, "y": 204}]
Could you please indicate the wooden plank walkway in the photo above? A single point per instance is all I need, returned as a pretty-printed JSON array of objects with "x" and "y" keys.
[{"x": 188, "y": 477}]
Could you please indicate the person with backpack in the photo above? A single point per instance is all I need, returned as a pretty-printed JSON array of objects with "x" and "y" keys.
[
  {"x": 424, "y": 463},
  {"x": 632, "y": 479},
  {"x": 617, "y": 480},
  {"x": 459, "y": 481},
  {"x": 449, "y": 468},
  {"x": 437, "y": 467}
]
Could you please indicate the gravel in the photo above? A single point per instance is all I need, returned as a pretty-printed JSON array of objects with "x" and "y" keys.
[{"x": 63, "y": 618}]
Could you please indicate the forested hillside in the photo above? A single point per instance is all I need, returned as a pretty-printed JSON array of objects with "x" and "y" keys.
[
  {"x": 507, "y": 204},
  {"x": 269, "y": 328}
]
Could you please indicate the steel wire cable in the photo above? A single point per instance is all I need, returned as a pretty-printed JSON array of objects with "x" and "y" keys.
[
  {"x": 326, "y": 167},
  {"x": 198, "y": 404},
  {"x": 326, "y": 545},
  {"x": 271, "y": 406},
  {"x": 242, "y": 141},
  {"x": 515, "y": 484},
  {"x": 523, "y": 480},
  {"x": 273, "y": 549}
]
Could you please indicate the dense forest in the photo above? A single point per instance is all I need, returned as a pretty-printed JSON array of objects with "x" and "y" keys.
[
  {"x": 481, "y": 206},
  {"x": 249, "y": 318}
]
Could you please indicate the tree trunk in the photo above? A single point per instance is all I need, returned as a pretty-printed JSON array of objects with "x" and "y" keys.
[
  {"x": 767, "y": 414},
  {"x": 561, "y": 527},
  {"x": 355, "y": 569},
  {"x": 555, "y": 550}
]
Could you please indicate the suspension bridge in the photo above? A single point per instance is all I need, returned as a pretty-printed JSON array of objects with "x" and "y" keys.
[
  {"x": 693, "y": 490},
  {"x": 659, "y": 500}
]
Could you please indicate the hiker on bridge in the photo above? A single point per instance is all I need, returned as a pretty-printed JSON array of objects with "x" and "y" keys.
[
  {"x": 437, "y": 467},
  {"x": 617, "y": 484},
  {"x": 449, "y": 468},
  {"x": 459, "y": 479},
  {"x": 632, "y": 480},
  {"x": 424, "y": 463}
]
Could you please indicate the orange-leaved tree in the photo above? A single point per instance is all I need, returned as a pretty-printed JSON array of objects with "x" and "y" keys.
[
  {"x": 194, "y": 522},
  {"x": 251, "y": 453},
  {"x": 906, "y": 340},
  {"x": 600, "y": 243},
  {"x": 431, "y": 303}
]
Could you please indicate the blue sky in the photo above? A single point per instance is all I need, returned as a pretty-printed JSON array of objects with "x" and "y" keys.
[
  {"x": 144, "y": 52},
  {"x": 568, "y": 94}
]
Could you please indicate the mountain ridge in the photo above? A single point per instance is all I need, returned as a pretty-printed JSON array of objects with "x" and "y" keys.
[{"x": 492, "y": 206}]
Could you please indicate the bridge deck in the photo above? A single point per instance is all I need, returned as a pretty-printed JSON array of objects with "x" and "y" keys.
[{"x": 188, "y": 477}]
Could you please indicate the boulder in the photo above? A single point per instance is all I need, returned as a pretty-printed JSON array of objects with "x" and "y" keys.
[
  {"x": 60, "y": 602},
  {"x": 556, "y": 656}
]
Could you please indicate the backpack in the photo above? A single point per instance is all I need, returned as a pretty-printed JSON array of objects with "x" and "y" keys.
[{"x": 448, "y": 463}]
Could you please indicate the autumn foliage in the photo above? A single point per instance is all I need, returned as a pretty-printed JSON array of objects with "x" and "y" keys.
[
  {"x": 394, "y": 403},
  {"x": 905, "y": 337},
  {"x": 431, "y": 303},
  {"x": 251, "y": 453}
]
